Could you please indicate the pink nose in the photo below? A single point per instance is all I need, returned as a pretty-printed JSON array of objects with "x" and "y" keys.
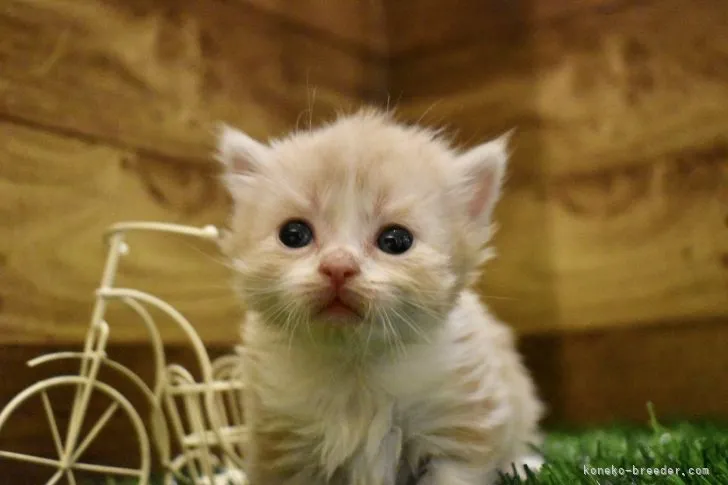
[{"x": 339, "y": 266}]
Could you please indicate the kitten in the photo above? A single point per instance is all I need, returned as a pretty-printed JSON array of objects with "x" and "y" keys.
[{"x": 368, "y": 356}]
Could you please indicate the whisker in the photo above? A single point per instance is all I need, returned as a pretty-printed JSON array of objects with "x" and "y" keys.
[
  {"x": 411, "y": 324},
  {"x": 310, "y": 333},
  {"x": 221, "y": 261},
  {"x": 297, "y": 318},
  {"x": 427, "y": 111},
  {"x": 388, "y": 336},
  {"x": 496, "y": 297},
  {"x": 371, "y": 329},
  {"x": 261, "y": 278},
  {"x": 260, "y": 292},
  {"x": 427, "y": 311},
  {"x": 280, "y": 309},
  {"x": 396, "y": 337}
]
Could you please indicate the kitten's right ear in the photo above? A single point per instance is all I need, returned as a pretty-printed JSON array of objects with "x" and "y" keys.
[{"x": 240, "y": 155}]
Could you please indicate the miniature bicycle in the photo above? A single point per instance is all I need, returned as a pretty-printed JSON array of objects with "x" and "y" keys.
[{"x": 204, "y": 419}]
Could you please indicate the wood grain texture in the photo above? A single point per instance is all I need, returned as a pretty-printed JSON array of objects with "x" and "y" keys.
[
  {"x": 609, "y": 375},
  {"x": 595, "y": 89},
  {"x": 621, "y": 111},
  {"x": 421, "y": 27},
  {"x": 107, "y": 113},
  {"x": 615, "y": 209},
  {"x": 160, "y": 75},
  {"x": 359, "y": 26},
  {"x": 644, "y": 243},
  {"x": 58, "y": 194}
]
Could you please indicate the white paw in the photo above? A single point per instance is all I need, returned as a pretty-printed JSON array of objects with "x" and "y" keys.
[{"x": 534, "y": 462}]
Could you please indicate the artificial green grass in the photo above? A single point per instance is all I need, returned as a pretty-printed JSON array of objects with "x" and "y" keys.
[
  {"x": 622, "y": 454},
  {"x": 576, "y": 457}
]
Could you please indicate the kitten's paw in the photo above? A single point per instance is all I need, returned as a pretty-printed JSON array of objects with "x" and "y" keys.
[{"x": 534, "y": 462}]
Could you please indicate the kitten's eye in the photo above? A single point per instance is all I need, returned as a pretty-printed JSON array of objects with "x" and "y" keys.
[
  {"x": 296, "y": 234},
  {"x": 395, "y": 240}
]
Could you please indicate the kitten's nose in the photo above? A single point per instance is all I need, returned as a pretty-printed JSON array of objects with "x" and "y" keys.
[{"x": 339, "y": 266}]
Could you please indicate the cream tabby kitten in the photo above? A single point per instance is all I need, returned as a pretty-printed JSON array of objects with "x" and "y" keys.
[{"x": 370, "y": 360}]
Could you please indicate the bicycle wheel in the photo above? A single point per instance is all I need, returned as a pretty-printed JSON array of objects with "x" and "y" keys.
[
  {"x": 186, "y": 469},
  {"x": 67, "y": 462}
]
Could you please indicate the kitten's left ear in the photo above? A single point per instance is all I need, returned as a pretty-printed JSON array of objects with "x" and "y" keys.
[
  {"x": 484, "y": 168},
  {"x": 240, "y": 155}
]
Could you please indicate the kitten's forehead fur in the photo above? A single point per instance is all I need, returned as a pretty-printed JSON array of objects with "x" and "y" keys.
[
  {"x": 358, "y": 169},
  {"x": 364, "y": 171}
]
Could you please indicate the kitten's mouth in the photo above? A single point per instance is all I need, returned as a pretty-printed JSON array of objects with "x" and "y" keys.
[{"x": 338, "y": 308}]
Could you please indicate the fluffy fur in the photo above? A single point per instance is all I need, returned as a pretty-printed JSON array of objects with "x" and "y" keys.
[{"x": 424, "y": 374}]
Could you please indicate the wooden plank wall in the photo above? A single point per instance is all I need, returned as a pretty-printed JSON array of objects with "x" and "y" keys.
[
  {"x": 616, "y": 211},
  {"x": 107, "y": 113}
]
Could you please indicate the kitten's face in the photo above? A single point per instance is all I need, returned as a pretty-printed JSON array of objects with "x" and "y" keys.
[{"x": 361, "y": 227}]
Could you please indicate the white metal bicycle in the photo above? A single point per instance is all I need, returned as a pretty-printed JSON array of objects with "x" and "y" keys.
[{"x": 203, "y": 418}]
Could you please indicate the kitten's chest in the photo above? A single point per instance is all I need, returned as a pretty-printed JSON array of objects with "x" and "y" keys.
[
  {"x": 341, "y": 410},
  {"x": 384, "y": 393},
  {"x": 346, "y": 416}
]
